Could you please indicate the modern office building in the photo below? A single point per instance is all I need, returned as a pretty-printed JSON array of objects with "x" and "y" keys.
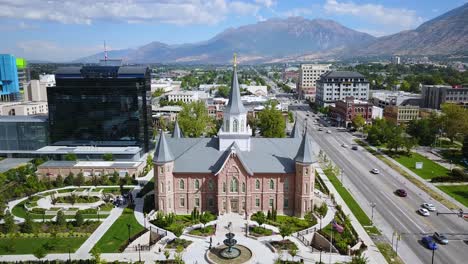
[
  {"x": 100, "y": 106},
  {"x": 23, "y": 133},
  {"x": 337, "y": 85},
  {"x": 37, "y": 89},
  {"x": 384, "y": 98},
  {"x": 23, "y": 73},
  {"x": 435, "y": 95},
  {"x": 23, "y": 108},
  {"x": 9, "y": 83},
  {"x": 308, "y": 76}
]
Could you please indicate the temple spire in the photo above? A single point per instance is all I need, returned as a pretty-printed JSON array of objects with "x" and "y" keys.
[
  {"x": 235, "y": 105},
  {"x": 304, "y": 154},
  {"x": 177, "y": 133},
  {"x": 162, "y": 154},
  {"x": 295, "y": 132}
]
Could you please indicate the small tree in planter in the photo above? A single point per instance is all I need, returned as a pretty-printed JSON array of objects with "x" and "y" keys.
[
  {"x": 285, "y": 230},
  {"x": 167, "y": 254},
  {"x": 259, "y": 217},
  {"x": 293, "y": 253}
]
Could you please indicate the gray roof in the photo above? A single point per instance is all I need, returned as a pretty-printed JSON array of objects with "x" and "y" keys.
[
  {"x": 132, "y": 70},
  {"x": 177, "y": 133},
  {"x": 235, "y": 105},
  {"x": 295, "y": 133},
  {"x": 342, "y": 74},
  {"x": 30, "y": 118},
  {"x": 68, "y": 70},
  {"x": 304, "y": 154},
  {"x": 201, "y": 155},
  {"x": 162, "y": 154}
]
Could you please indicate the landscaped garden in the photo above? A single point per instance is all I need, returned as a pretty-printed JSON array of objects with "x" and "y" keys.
[
  {"x": 429, "y": 170},
  {"x": 177, "y": 223},
  {"x": 204, "y": 231},
  {"x": 118, "y": 234},
  {"x": 178, "y": 242},
  {"x": 259, "y": 231},
  {"x": 459, "y": 192},
  {"x": 295, "y": 223},
  {"x": 284, "y": 245}
]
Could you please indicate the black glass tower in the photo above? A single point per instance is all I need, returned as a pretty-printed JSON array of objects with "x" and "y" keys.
[{"x": 100, "y": 106}]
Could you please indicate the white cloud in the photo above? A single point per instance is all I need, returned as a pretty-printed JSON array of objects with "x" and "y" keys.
[
  {"x": 50, "y": 51},
  {"x": 297, "y": 12},
  {"x": 375, "y": 33},
  {"x": 266, "y": 3},
  {"x": 17, "y": 26},
  {"x": 164, "y": 11},
  {"x": 397, "y": 18}
]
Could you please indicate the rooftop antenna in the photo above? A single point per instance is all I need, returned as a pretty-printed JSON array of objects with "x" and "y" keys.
[{"x": 105, "y": 52}]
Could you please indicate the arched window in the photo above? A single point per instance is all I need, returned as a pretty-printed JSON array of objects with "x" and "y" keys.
[
  {"x": 242, "y": 125},
  {"x": 197, "y": 184},
  {"x": 243, "y": 187},
  {"x": 234, "y": 185},
  {"x": 272, "y": 184},
  {"x": 162, "y": 186},
  {"x": 181, "y": 184},
  {"x": 286, "y": 185},
  {"x": 224, "y": 187},
  {"x": 169, "y": 186},
  {"x": 306, "y": 188},
  {"x": 257, "y": 184},
  {"x": 210, "y": 185},
  {"x": 227, "y": 125},
  {"x": 235, "y": 125}
]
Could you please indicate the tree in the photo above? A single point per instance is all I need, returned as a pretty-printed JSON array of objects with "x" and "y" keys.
[
  {"x": 223, "y": 91},
  {"x": 358, "y": 122},
  {"x": 96, "y": 255},
  {"x": 465, "y": 147},
  {"x": 40, "y": 252},
  {"x": 70, "y": 157},
  {"x": 293, "y": 253},
  {"x": 290, "y": 117},
  {"x": 359, "y": 259},
  {"x": 454, "y": 120},
  {"x": 69, "y": 180},
  {"x": 108, "y": 157},
  {"x": 115, "y": 177},
  {"x": 60, "y": 219},
  {"x": 271, "y": 121},
  {"x": 178, "y": 230},
  {"x": 158, "y": 92},
  {"x": 79, "y": 179},
  {"x": 194, "y": 119},
  {"x": 285, "y": 230},
  {"x": 409, "y": 143},
  {"x": 423, "y": 130},
  {"x": 205, "y": 218},
  {"x": 167, "y": 254},
  {"x": 394, "y": 138},
  {"x": 79, "y": 218},
  {"x": 9, "y": 225},
  {"x": 259, "y": 217},
  {"x": 28, "y": 226}
]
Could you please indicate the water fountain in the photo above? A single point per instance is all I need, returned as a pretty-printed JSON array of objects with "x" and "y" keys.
[{"x": 230, "y": 252}]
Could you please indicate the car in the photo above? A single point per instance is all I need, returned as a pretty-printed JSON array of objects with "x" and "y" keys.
[
  {"x": 429, "y": 243},
  {"x": 401, "y": 193},
  {"x": 441, "y": 238},
  {"x": 320, "y": 129},
  {"x": 424, "y": 212},
  {"x": 429, "y": 206},
  {"x": 307, "y": 115},
  {"x": 354, "y": 147},
  {"x": 344, "y": 145},
  {"x": 328, "y": 132},
  {"x": 375, "y": 171}
]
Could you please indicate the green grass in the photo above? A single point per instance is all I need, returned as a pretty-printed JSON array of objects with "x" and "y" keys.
[
  {"x": 260, "y": 231},
  {"x": 388, "y": 253},
  {"x": 207, "y": 231},
  {"x": 459, "y": 192},
  {"x": 455, "y": 156},
  {"x": 296, "y": 224},
  {"x": 20, "y": 211},
  {"x": 372, "y": 230},
  {"x": 29, "y": 245},
  {"x": 349, "y": 200},
  {"x": 430, "y": 168},
  {"x": 117, "y": 235}
]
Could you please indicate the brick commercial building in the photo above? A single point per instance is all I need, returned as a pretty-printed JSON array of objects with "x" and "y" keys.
[
  {"x": 401, "y": 114},
  {"x": 346, "y": 110},
  {"x": 233, "y": 172}
]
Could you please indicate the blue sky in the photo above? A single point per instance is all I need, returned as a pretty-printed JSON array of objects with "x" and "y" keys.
[{"x": 61, "y": 30}]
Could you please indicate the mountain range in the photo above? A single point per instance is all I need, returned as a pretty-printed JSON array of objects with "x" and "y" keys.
[{"x": 300, "y": 39}]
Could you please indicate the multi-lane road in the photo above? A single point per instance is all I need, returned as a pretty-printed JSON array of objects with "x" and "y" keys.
[{"x": 391, "y": 213}]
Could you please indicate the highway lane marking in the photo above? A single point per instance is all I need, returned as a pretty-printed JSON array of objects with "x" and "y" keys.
[{"x": 405, "y": 214}]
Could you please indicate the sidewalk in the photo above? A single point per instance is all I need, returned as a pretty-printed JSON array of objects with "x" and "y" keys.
[
  {"x": 372, "y": 251},
  {"x": 426, "y": 183}
]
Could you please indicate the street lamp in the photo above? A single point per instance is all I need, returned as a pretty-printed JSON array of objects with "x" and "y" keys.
[
  {"x": 372, "y": 214},
  {"x": 320, "y": 248},
  {"x": 144, "y": 219},
  {"x": 433, "y": 252},
  {"x": 321, "y": 222},
  {"x": 129, "y": 227},
  {"x": 139, "y": 253}
]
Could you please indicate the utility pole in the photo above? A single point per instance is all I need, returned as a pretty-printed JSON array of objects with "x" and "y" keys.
[
  {"x": 433, "y": 252},
  {"x": 397, "y": 239},
  {"x": 139, "y": 253},
  {"x": 372, "y": 215}
]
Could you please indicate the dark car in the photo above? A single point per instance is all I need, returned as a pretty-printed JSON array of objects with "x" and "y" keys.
[
  {"x": 429, "y": 242},
  {"x": 354, "y": 147},
  {"x": 401, "y": 193},
  {"x": 441, "y": 238}
]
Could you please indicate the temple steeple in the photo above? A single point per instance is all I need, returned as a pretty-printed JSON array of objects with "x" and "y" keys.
[
  {"x": 162, "y": 154},
  {"x": 177, "y": 133},
  {"x": 295, "y": 133},
  {"x": 235, "y": 127},
  {"x": 304, "y": 154}
]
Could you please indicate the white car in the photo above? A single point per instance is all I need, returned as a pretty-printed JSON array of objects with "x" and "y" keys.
[
  {"x": 429, "y": 206},
  {"x": 344, "y": 145},
  {"x": 375, "y": 171},
  {"x": 424, "y": 212},
  {"x": 328, "y": 132}
]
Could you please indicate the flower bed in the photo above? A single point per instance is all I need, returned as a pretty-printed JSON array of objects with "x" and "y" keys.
[
  {"x": 178, "y": 242},
  {"x": 259, "y": 231},
  {"x": 284, "y": 245},
  {"x": 204, "y": 231}
]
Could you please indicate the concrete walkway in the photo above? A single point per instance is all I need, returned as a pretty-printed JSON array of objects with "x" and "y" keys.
[{"x": 372, "y": 251}]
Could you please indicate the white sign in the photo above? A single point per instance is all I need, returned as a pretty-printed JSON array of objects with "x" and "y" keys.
[{"x": 419, "y": 165}]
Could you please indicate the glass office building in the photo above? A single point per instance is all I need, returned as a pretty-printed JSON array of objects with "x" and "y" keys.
[
  {"x": 9, "y": 83},
  {"x": 100, "y": 106},
  {"x": 23, "y": 133}
]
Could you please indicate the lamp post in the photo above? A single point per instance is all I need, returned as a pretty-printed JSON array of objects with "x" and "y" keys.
[
  {"x": 433, "y": 252},
  {"x": 139, "y": 253},
  {"x": 372, "y": 214},
  {"x": 144, "y": 219},
  {"x": 69, "y": 254},
  {"x": 129, "y": 227},
  {"x": 320, "y": 261},
  {"x": 321, "y": 222}
]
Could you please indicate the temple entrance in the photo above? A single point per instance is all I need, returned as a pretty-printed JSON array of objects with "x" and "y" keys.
[{"x": 234, "y": 206}]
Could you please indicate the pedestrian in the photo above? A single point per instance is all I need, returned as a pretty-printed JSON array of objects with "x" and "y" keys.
[{"x": 211, "y": 240}]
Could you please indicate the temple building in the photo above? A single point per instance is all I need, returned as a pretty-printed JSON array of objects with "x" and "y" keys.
[{"x": 234, "y": 172}]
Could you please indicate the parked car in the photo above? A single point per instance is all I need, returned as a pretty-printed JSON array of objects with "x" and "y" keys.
[
  {"x": 441, "y": 238},
  {"x": 328, "y": 132},
  {"x": 375, "y": 171},
  {"x": 354, "y": 147},
  {"x": 429, "y": 243},
  {"x": 429, "y": 206},
  {"x": 423, "y": 212},
  {"x": 401, "y": 193},
  {"x": 344, "y": 145}
]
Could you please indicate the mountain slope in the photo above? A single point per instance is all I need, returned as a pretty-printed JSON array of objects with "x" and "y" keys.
[
  {"x": 445, "y": 34},
  {"x": 111, "y": 54}
]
